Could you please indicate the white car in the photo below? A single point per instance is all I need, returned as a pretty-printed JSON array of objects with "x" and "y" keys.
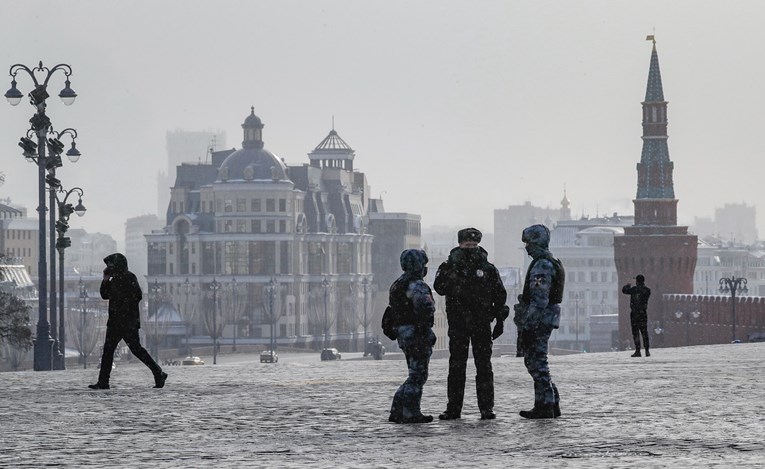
[{"x": 192, "y": 361}]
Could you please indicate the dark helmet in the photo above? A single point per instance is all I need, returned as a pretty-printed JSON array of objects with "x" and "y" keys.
[
  {"x": 413, "y": 260},
  {"x": 538, "y": 235}
]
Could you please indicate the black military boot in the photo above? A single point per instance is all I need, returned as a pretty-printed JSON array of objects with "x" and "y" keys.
[
  {"x": 488, "y": 415},
  {"x": 99, "y": 385},
  {"x": 449, "y": 415},
  {"x": 545, "y": 411},
  {"x": 159, "y": 380},
  {"x": 417, "y": 419},
  {"x": 647, "y": 353},
  {"x": 636, "y": 354}
]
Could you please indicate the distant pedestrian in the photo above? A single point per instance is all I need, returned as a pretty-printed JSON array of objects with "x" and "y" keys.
[
  {"x": 639, "y": 295},
  {"x": 537, "y": 314},
  {"x": 412, "y": 303},
  {"x": 121, "y": 288},
  {"x": 475, "y": 297}
]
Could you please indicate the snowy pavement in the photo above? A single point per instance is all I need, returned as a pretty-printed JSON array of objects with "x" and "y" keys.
[{"x": 684, "y": 407}]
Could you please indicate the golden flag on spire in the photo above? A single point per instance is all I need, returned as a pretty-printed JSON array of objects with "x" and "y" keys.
[{"x": 650, "y": 37}]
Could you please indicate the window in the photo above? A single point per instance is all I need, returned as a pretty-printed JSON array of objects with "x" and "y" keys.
[
  {"x": 256, "y": 205},
  {"x": 228, "y": 206},
  {"x": 282, "y": 205},
  {"x": 270, "y": 205},
  {"x": 228, "y": 226},
  {"x": 282, "y": 226},
  {"x": 256, "y": 226},
  {"x": 270, "y": 226},
  {"x": 241, "y": 205}
]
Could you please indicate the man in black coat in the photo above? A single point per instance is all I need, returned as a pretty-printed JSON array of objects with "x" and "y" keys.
[
  {"x": 475, "y": 297},
  {"x": 639, "y": 295},
  {"x": 121, "y": 288}
]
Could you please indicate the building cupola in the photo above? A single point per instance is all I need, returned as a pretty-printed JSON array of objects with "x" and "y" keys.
[{"x": 253, "y": 131}]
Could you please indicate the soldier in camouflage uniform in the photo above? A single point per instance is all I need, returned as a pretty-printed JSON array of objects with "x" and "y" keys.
[
  {"x": 537, "y": 314},
  {"x": 412, "y": 300}
]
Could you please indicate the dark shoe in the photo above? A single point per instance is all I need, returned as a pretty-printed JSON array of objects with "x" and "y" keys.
[
  {"x": 448, "y": 416},
  {"x": 636, "y": 354},
  {"x": 543, "y": 412},
  {"x": 417, "y": 419},
  {"x": 395, "y": 418},
  {"x": 98, "y": 386},
  {"x": 488, "y": 415},
  {"x": 159, "y": 380},
  {"x": 556, "y": 410},
  {"x": 647, "y": 353}
]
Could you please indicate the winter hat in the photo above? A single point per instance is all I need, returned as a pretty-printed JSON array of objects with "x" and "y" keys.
[
  {"x": 538, "y": 235},
  {"x": 469, "y": 234},
  {"x": 413, "y": 260},
  {"x": 640, "y": 278}
]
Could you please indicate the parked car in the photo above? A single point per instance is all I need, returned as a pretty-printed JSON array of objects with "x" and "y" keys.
[
  {"x": 269, "y": 356},
  {"x": 330, "y": 354},
  {"x": 192, "y": 361},
  {"x": 375, "y": 348}
]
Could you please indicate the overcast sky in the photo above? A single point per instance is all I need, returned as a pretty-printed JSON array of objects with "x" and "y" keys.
[{"x": 454, "y": 108}]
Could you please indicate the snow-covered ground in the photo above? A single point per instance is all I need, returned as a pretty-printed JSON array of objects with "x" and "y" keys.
[{"x": 684, "y": 407}]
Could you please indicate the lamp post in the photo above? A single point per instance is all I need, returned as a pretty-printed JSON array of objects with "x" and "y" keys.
[
  {"x": 576, "y": 320},
  {"x": 325, "y": 284},
  {"x": 40, "y": 125},
  {"x": 365, "y": 283},
  {"x": 235, "y": 307},
  {"x": 733, "y": 285},
  {"x": 84, "y": 298},
  {"x": 188, "y": 288},
  {"x": 214, "y": 287},
  {"x": 155, "y": 289},
  {"x": 271, "y": 288},
  {"x": 63, "y": 242},
  {"x": 691, "y": 314}
]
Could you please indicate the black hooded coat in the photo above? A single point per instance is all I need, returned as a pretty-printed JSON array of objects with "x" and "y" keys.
[{"x": 123, "y": 292}]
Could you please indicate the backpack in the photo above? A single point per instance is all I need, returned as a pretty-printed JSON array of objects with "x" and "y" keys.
[{"x": 390, "y": 323}]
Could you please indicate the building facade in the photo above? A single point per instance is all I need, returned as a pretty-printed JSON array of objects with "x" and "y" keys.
[
  {"x": 135, "y": 243},
  {"x": 288, "y": 246}
]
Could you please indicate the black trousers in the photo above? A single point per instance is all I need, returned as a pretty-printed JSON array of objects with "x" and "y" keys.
[
  {"x": 461, "y": 335},
  {"x": 130, "y": 336},
  {"x": 639, "y": 322}
]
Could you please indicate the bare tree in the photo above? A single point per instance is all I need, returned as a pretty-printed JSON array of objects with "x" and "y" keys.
[{"x": 86, "y": 330}]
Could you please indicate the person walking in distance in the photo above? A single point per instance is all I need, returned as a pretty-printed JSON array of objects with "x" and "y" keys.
[
  {"x": 537, "y": 314},
  {"x": 475, "y": 297},
  {"x": 639, "y": 295},
  {"x": 121, "y": 288},
  {"x": 413, "y": 308}
]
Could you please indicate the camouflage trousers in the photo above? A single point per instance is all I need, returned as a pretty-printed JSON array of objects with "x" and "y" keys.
[
  {"x": 417, "y": 347},
  {"x": 535, "y": 358}
]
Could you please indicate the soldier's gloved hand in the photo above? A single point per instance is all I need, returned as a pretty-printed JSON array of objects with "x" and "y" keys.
[{"x": 499, "y": 328}]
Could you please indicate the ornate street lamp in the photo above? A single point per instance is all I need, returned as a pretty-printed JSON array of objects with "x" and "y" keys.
[
  {"x": 365, "y": 284},
  {"x": 84, "y": 298},
  {"x": 689, "y": 315},
  {"x": 188, "y": 288},
  {"x": 325, "y": 283},
  {"x": 733, "y": 285},
  {"x": 272, "y": 287},
  {"x": 63, "y": 242},
  {"x": 155, "y": 289},
  {"x": 214, "y": 287},
  {"x": 36, "y": 152}
]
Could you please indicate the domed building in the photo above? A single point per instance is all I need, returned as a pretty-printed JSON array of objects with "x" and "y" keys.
[{"x": 273, "y": 237}]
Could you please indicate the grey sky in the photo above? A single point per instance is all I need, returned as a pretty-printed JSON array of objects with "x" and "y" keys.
[{"x": 454, "y": 108}]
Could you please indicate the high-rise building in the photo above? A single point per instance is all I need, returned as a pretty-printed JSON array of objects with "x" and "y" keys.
[
  {"x": 184, "y": 147},
  {"x": 135, "y": 243}
]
